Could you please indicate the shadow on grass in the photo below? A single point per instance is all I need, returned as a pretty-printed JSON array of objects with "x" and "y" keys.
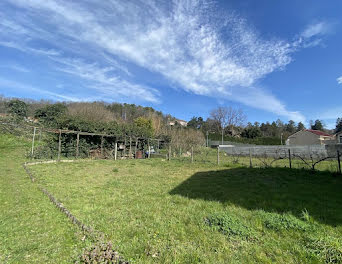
[{"x": 272, "y": 189}]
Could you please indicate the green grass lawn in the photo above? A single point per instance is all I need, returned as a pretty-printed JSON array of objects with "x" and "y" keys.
[
  {"x": 155, "y": 211},
  {"x": 32, "y": 230}
]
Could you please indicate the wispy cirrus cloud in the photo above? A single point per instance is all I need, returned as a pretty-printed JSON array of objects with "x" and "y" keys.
[
  {"x": 219, "y": 56},
  {"x": 15, "y": 67},
  {"x": 25, "y": 87},
  {"x": 101, "y": 79},
  {"x": 317, "y": 29},
  {"x": 314, "y": 34}
]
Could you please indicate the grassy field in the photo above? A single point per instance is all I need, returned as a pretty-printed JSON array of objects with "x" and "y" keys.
[
  {"x": 155, "y": 211},
  {"x": 31, "y": 229}
]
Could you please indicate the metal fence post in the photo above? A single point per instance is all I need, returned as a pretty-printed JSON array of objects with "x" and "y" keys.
[
  {"x": 116, "y": 150},
  {"x": 218, "y": 155},
  {"x": 290, "y": 159},
  {"x": 250, "y": 159}
]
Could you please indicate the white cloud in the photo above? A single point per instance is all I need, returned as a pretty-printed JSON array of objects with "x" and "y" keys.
[
  {"x": 339, "y": 80},
  {"x": 16, "y": 67},
  {"x": 105, "y": 82},
  {"x": 5, "y": 83},
  {"x": 188, "y": 42},
  {"x": 313, "y": 35},
  {"x": 317, "y": 29},
  {"x": 24, "y": 48}
]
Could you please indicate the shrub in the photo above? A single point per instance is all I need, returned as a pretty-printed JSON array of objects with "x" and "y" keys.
[{"x": 17, "y": 108}]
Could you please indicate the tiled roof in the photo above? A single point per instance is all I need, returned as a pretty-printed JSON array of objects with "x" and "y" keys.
[{"x": 319, "y": 133}]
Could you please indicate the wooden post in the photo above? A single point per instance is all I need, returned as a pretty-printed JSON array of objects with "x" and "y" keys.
[
  {"x": 130, "y": 147},
  {"x": 102, "y": 146},
  {"x": 124, "y": 150},
  {"x": 149, "y": 148},
  {"x": 218, "y": 155},
  {"x": 192, "y": 154},
  {"x": 78, "y": 145},
  {"x": 40, "y": 135},
  {"x": 180, "y": 151},
  {"x": 290, "y": 160},
  {"x": 250, "y": 159},
  {"x": 116, "y": 150},
  {"x": 34, "y": 135},
  {"x": 158, "y": 145},
  {"x": 136, "y": 148},
  {"x": 59, "y": 145},
  {"x": 339, "y": 162},
  {"x": 169, "y": 152}
]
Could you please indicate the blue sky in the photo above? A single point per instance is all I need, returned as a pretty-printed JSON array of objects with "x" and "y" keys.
[{"x": 273, "y": 59}]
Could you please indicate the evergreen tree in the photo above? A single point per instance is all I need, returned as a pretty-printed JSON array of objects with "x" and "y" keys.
[
  {"x": 318, "y": 125},
  {"x": 300, "y": 126},
  {"x": 338, "y": 125}
]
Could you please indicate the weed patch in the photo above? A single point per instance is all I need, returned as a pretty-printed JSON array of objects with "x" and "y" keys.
[
  {"x": 281, "y": 222},
  {"x": 100, "y": 253},
  {"x": 230, "y": 225}
]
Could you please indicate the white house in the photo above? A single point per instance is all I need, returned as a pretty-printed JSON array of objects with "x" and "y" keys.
[
  {"x": 310, "y": 137},
  {"x": 339, "y": 138},
  {"x": 179, "y": 121}
]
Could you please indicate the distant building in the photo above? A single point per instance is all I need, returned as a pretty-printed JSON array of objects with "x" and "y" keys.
[
  {"x": 31, "y": 119},
  {"x": 310, "y": 137},
  {"x": 178, "y": 121},
  {"x": 339, "y": 138}
]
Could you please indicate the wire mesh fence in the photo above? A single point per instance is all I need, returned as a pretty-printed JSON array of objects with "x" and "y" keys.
[{"x": 296, "y": 157}]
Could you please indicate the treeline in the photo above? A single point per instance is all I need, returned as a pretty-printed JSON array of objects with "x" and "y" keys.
[
  {"x": 229, "y": 123},
  {"x": 145, "y": 122}
]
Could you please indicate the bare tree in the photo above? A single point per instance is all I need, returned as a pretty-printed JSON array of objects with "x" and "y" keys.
[{"x": 228, "y": 117}]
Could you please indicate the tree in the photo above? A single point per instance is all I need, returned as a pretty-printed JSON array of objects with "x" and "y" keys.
[
  {"x": 196, "y": 122},
  {"x": 144, "y": 126},
  {"x": 338, "y": 125},
  {"x": 17, "y": 108},
  {"x": 290, "y": 127},
  {"x": 300, "y": 126},
  {"x": 251, "y": 132},
  {"x": 318, "y": 125},
  {"x": 49, "y": 114},
  {"x": 228, "y": 117}
]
